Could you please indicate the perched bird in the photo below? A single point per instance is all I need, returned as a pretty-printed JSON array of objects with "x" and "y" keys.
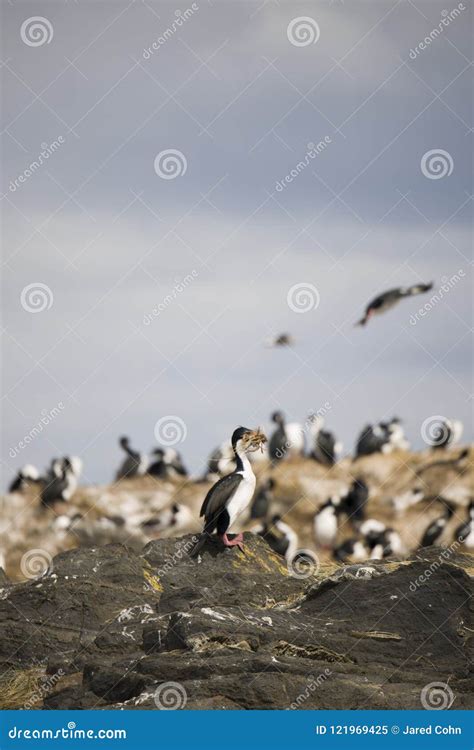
[
  {"x": 354, "y": 502},
  {"x": 166, "y": 463},
  {"x": 389, "y": 299},
  {"x": 387, "y": 543},
  {"x": 353, "y": 550},
  {"x": 325, "y": 448},
  {"x": 26, "y": 475},
  {"x": 436, "y": 528},
  {"x": 372, "y": 439},
  {"x": 395, "y": 435},
  {"x": 133, "y": 465},
  {"x": 263, "y": 499},
  {"x": 280, "y": 536},
  {"x": 287, "y": 439},
  {"x": 325, "y": 524},
  {"x": 69, "y": 465},
  {"x": 282, "y": 339},
  {"x": 465, "y": 532},
  {"x": 231, "y": 495},
  {"x": 59, "y": 487},
  {"x": 175, "y": 519}
]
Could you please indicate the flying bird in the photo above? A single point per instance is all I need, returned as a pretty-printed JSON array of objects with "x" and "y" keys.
[{"x": 389, "y": 299}]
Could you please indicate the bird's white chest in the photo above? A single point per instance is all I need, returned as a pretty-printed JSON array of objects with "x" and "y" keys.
[
  {"x": 325, "y": 526},
  {"x": 242, "y": 496}
]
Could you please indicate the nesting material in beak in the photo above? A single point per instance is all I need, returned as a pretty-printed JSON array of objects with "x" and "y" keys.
[{"x": 257, "y": 439}]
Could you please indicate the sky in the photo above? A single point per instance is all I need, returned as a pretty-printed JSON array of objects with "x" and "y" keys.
[{"x": 168, "y": 232}]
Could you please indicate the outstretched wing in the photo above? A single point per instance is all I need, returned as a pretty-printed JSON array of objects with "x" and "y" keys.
[
  {"x": 419, "y": 289},
  {"x": 217, "y": 497}
]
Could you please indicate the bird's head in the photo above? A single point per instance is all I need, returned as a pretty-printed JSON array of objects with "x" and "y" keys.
[
  {"x": 124, "y": 441},
  {"x": 278, "y": 417},
  {"x": 248, "y": 441}
]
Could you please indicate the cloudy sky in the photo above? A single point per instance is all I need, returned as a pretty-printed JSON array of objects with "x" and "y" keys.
[{"x": 106, "y": 228}]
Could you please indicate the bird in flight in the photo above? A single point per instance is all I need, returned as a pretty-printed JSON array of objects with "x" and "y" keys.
[{"x": 389, "y": 299}]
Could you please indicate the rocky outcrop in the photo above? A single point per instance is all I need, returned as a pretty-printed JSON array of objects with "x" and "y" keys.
[{"x": 108, "y": 627}]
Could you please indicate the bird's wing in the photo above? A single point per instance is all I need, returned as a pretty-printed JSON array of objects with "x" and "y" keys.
[
  {"x": 219, "y": 494},
  {"x": 419, "y": 289}
]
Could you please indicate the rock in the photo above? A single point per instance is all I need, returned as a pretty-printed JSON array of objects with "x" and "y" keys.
[{"x": 233, "y": 630}]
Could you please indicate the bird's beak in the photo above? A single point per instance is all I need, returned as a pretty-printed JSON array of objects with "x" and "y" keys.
[{"x": 258, "y": 439}]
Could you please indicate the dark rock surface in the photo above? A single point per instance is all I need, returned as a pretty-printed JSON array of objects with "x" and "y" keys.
[{"x": 232, "y": 630}]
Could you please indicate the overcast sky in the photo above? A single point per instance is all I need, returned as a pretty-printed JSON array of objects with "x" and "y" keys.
[{"x": 239, "y": 89}]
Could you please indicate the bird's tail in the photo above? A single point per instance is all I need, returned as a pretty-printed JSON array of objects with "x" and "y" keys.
[
  {"x": 419, "y": 289},
  {"x": 203, "y": 538},
  {"x": 362, "y": 321}
]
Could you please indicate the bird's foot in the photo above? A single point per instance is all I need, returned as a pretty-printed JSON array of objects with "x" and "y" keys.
[{"x": 235, "y": 542}]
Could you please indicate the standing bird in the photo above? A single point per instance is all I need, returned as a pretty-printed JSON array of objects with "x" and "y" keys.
[
  {"x": 229, "y": 497},
  {"x": 59, "y": 487},
  {"x": 280, "y": 537},
  {"x": 263, "y": 499},
  {"x": 167, "y": 463},
  {"x": 436, "y": 528},
  {"x": 389, "y": 299},
  {"x": 372, "y": 439},
  {"x": 353, "y": 504},
  {"x": 325, "y": 524},
  {"x": 465, "y": 532},
  {"x": 325, "y": 448},
  {"x": 287, "y": 439},
  {"x": 133, "y": 465}
]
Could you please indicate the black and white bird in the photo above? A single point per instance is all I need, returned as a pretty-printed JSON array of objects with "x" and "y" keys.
[
  {"x": 280, "y": 536},
  {"x": 28, "y": 474},
  {"x": 353, "y": 550},
  {"x": 134, "y": 463},
  {"x": 372, "y": 439},
  {"x": 60, "y": 483},
  {"x": 465, "y": 532},
  {"x": 263, "y": 499},
  {"x": 389, "y": 299},
  {"x": 324, "y": 447},
  {"x": 395, "y": 434},
  {"x": 436, "y": 528},
  {"x": 175, "y": 518},
  {"x": 407, "y": 499},
  {"x": 354, "y": 502},
  {"x": 325, "y": 524},
  {"x": 221, "y": 462},
  {"x": 231, "y": 495},
  {"x": 386, "y": 543},
  {"x": 166, "y": 462},
  {"x": 287, "y": 440}
]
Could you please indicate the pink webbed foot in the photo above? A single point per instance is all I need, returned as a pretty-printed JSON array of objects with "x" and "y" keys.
[{"x": 235, "y": 542}]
